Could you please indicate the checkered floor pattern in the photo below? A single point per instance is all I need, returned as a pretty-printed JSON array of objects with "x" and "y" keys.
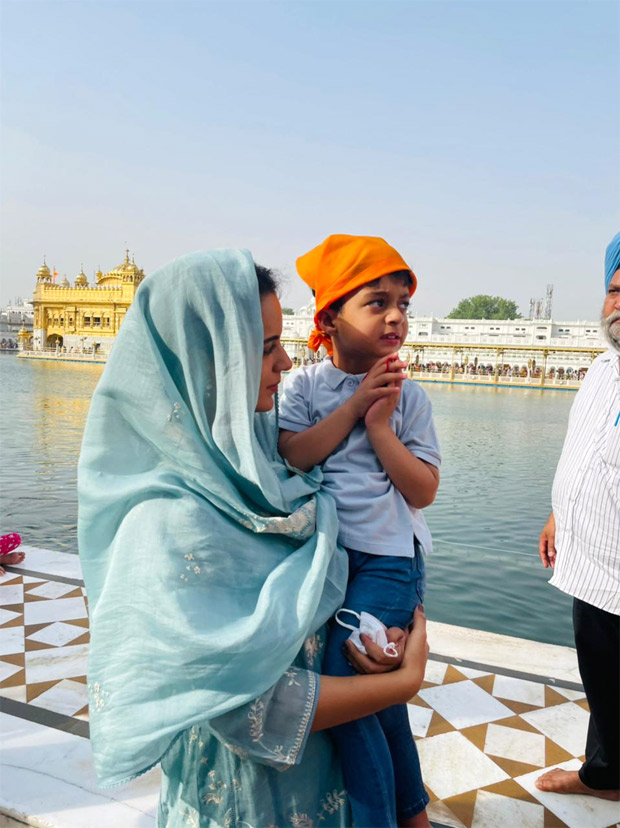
[
  {"x": 44, "y": 644},
  {"x": 483, "y": 737}
]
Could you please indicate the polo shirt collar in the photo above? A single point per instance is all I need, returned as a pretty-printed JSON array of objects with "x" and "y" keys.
[{"x": 333, "y": 376}]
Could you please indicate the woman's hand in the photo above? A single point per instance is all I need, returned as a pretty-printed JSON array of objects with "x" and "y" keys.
[
  {"x": 412, "y": 663},
  {"x": 416, "y": 650},
  {"x": 377, "y": 661}
]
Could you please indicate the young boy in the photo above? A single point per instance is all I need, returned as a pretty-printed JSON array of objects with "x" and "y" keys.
[{"x": 372, "y": 432}]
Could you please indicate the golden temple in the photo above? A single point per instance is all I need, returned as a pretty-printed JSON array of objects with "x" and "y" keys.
[{"x": 81, "y": 317}]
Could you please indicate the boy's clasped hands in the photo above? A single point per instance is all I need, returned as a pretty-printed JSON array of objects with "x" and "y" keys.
[{"x": 377, "y": 395}]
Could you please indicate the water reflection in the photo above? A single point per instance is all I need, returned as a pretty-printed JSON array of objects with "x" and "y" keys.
[{"x": 500, "y": 450}]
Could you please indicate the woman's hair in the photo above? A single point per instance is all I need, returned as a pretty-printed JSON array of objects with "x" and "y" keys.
[{"x": 267, "y": 280}]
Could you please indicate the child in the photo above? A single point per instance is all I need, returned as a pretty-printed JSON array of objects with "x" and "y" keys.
[{"x": 372, "y": 432}]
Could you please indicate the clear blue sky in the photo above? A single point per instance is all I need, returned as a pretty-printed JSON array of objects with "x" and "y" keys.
[{"x": 480, "y": 138}]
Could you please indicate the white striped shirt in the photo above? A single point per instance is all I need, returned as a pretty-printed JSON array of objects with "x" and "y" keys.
[{"x": 586, "y": 491}]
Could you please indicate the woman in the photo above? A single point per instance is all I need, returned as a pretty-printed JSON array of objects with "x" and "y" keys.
[{"x": 211, "y": 568}]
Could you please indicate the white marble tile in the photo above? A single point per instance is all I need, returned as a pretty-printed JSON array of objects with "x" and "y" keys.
[
  {"x": 61, "y": 609},
  {"x": 17, "y": 692},
  {"x": 7, "y": 615},
  {"x": 571, "y": 695},
  {"x": 28, "y": 579},
  {"x": 419, "y": 719},
  {"x": 11, "y": 640},
  {"x": 518, "y": 745},
  {"x": 492, "y": 810},
  {"x": 470, "y": 672},
  {"x": 519, "y": 690},
  {"x": 435, "y": 671},
  {"x": 453, "y": 765},
  {"x": 503, "y": 651},
  {"x": 464, "y": 704},
  {"x": 65, "y": 697},
  {"x": 51, "y": 589},
  {"x": 48, "y": 774},
  {"x": 59, "y": 663},
  {"x": 576, "y": 811},
  {"x": 50, "y": 562},
  {"x": 11, "y": 594},
  {"x": 565, "y": 724},
  {"x": 7, "y": 670},
  {"x": 57, "y": 634}
]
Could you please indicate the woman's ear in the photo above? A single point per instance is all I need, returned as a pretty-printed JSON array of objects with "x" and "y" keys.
[{"x": 325, "y": 319}]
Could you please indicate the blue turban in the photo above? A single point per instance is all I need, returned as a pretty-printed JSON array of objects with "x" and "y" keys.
[{"x": 612, "y": 259}]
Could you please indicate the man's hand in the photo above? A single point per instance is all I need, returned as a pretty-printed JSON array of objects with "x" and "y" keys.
[
  {"x": 546, "y": 543},
  {"x": 380, "y": 384}
]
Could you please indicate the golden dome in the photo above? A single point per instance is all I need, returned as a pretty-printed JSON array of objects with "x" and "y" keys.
[
  {"x": 43, "y": 273},
  {"x": 80, "y": 279},
  {"x": 127, "y": 271},
  {"x": 65, "y": 283}
]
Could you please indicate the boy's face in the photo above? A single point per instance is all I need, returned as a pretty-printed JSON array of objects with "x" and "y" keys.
[{"x": 373, "y": 320}]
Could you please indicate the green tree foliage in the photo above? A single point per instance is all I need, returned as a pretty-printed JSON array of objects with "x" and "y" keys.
[
  {"x": 485, "y": 307},
  {"x": 288, "y": 311}
]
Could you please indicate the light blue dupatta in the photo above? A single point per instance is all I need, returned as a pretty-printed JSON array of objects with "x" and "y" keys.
[{"x": 206, "y": 562}]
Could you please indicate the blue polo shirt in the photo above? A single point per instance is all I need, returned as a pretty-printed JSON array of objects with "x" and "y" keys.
[{"x": 374, "y": 516}]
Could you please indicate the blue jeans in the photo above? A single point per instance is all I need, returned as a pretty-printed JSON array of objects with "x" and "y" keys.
[{"x": 379, "y": 758}]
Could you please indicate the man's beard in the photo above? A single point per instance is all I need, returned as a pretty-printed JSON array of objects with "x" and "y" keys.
[{"x": 610, "y": 327}]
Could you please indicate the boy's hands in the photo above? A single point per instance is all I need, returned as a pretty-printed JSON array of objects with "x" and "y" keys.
[
  {"x": 381, "y": 409},
  {"x": 380, "y": 385}
]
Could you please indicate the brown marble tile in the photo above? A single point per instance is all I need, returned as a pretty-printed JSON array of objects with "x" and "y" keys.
[
  {"x": 552, "y": 697},
  {"x": 554, "y": 754},
  {"x": 486, "y": 682},
  {"x": 35, "y": 690},
  {"x": 452, "y": 675},
  {"x": 463, "y": 806},
  {"x": 438, "y": 725},
  {"x": 512, "y": 789},
  {"x": 476, "y": 734}
]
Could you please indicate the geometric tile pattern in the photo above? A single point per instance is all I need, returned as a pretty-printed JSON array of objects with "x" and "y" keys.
[
  {"x": 44, "y": 644},
  {"x": 483, "y": 738}
]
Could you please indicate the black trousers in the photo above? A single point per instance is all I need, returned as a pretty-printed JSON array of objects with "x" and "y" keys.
[{"x": 597, "y": 638}]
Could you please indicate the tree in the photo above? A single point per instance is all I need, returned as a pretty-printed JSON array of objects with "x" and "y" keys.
[
  {"x": 485, "y": 307},
  {"x": 288, "y": 311}
]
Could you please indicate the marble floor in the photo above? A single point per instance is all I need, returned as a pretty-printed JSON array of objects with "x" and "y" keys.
[{"x": 485, "y": 729}]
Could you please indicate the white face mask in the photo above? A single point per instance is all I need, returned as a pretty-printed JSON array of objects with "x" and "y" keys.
[{"x": 373, "y": 628}]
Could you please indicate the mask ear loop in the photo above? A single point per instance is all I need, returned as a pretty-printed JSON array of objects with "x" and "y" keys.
[{"x": 347, "y": 626}]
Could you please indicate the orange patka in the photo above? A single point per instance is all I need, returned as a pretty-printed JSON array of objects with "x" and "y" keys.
[{"x": 339, "y": 265}]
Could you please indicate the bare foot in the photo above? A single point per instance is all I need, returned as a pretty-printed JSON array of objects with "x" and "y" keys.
[
  {"x": 568, "y": 782},
  {"x": 11, "y": 559}
]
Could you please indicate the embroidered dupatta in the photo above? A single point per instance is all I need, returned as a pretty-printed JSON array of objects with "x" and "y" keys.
[{"x": 206, "y": 562}]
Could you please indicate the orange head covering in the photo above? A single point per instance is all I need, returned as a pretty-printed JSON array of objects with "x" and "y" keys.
[{"x": 339, "y": 265}]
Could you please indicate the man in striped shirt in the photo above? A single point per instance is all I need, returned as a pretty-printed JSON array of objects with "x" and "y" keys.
[{"x": 581, "y": 542}]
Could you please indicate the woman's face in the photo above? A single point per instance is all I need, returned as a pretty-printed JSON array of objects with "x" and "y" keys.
[{"x": 275, "y": 358}]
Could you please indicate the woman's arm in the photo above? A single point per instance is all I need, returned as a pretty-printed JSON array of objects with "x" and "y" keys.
[{"x": 343, "y": 699}]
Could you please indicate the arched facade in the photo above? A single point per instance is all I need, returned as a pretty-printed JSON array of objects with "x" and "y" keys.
[{"x": 83, "y": 317}]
